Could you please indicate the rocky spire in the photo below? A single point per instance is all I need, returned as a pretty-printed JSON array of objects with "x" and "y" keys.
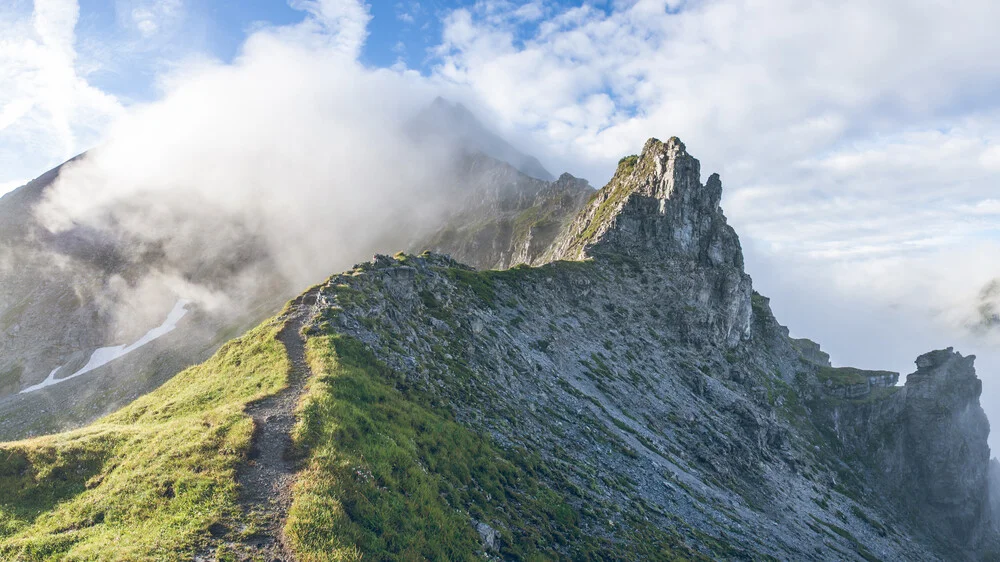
[
  {"x": 656, "y": 210},
  {"x": 946, "y": 445},
  {"x": 655, "y": 206}
]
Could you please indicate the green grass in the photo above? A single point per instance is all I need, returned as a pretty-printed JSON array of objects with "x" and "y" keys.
[
  {"x": 146, "y": 482},
  {"x": 628, "y": 161},
  {"x": 392, "y": 478},
  {"x": 479, "y": 281},
  {"x": 844, "y": 376}
]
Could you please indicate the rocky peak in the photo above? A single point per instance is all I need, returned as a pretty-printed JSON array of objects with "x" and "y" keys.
[
  {"x": 944, "y": 374},
  {"x": 655, "y": 209},
  {"x": 655, "y": 206},
  {"x": 568, "y": 180},
  {"x": 946, "y": 444}
]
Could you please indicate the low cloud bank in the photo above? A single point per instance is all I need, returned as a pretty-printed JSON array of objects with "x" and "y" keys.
[{"x": 260, "y": 176}]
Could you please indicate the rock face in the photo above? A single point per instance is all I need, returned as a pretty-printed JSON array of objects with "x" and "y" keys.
[
  {"x": 812, "y": 352},
  {"x": 945, "y": 444},
  {"x": 655, "y": 208},
  {"x": 503, "y": 217},
  {"x": 851, "y": 383},
  {"x": 995, "y": 492},
  {"x": 925, "y": 445}
]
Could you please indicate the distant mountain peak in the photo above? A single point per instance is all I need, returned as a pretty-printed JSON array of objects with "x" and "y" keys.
[{"x": 453, "y": 122}]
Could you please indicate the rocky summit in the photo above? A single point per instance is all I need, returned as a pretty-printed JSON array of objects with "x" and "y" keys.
[{"x": 620, "y": 393}]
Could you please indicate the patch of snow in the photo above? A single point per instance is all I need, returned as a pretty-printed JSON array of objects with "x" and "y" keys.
[{"x": 105, "y": 355}]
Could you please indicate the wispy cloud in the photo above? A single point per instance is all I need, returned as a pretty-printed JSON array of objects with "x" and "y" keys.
[
  {"x": 48, "y": 110},
  {"x": 149, "y": 18}
]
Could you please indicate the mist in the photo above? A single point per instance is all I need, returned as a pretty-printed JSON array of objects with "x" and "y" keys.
[{"x": 254, "y": 178}]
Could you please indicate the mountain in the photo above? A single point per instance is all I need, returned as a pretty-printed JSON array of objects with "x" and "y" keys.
[
  {"x": 72, "y": 301},
  {"x": 506, "y": 217},
  {"x": 77, "y": 306},
  {"x": 454, "y": 125},
  {"x": 627, "y": 396}
]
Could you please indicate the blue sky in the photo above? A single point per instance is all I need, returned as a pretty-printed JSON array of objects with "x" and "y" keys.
[
  {"x": 858, "y": 141},
  {"x": 404, "y": 31}
]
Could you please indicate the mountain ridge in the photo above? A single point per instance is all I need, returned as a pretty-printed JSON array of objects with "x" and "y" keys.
[
  {"x": 637, "y": 402},
  {"x": 64, "y": 295}
]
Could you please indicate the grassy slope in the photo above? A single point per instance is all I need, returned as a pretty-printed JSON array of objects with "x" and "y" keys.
[
  {"x": 397, "y": 479},
  {"x": 147, "y": 482}
]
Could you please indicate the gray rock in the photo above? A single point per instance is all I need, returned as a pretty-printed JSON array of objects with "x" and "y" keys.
[
  {"x": 946, "y": 445},
  {"x": 995, "y": 492}
]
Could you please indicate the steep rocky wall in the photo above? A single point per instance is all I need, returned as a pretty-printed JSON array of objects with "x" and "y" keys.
[
  {"x": 811, "y": 351},
  {"x": 995, "y": 492},
  {"x": 501, "y": 217},
  {"x": 924, "y": 445},
  {"x": 945, "y": 444}
]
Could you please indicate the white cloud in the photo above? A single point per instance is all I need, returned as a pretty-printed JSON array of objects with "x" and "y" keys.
[
  {"x": 408, "y": 12},
  {"x": 294, "y": 145},
  {"x": 150, "y": 17},
  {"x": 339, "y": 25},
  {"x": 990, "y": 158},
  {"x": 48, "y": 111}
]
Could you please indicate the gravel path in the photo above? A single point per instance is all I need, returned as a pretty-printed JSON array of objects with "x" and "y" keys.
[{"x": 266, "y": 478}]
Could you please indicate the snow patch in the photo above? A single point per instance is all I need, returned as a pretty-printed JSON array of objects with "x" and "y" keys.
[{"x": 105, "y": 355}]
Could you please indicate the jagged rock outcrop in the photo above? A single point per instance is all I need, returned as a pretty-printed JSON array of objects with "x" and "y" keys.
[
  {"x": 503, "y": 217},
  {"x": 812, "y": 352},
  {"x": 945, "y": 444},
  {"x": 655, "y": 208},
  {"x": 924, "y": 445}
]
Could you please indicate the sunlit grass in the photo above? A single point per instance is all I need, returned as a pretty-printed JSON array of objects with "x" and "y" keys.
[{"x": 146, "y": 482}]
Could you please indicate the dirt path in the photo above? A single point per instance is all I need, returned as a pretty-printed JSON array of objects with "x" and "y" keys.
[{"x": 266, "y": 478}]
